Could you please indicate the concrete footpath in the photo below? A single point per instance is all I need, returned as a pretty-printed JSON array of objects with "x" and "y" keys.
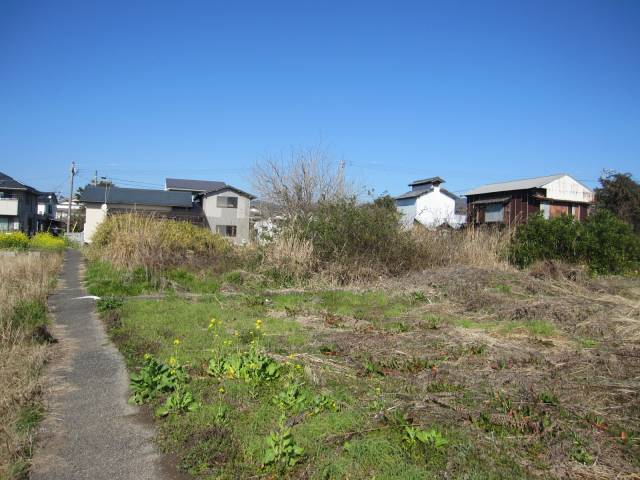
[{"x": 89, "y": 430}]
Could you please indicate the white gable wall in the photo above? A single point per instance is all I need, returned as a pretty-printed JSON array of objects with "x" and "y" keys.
[
  {"x": 569, "y": 189},
  {"x": 407, "y": 207},
  {"x": 435, "y": 208}
]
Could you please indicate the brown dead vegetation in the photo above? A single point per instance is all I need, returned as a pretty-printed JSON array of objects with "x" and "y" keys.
[
  {"x": 25, "y": 281},
  {"x": 548, "y": 360}
]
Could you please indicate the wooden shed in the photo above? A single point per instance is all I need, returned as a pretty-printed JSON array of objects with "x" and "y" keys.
[{"x": 513, "y": 202}]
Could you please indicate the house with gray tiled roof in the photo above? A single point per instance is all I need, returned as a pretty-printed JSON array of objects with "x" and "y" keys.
[
  {"x": 213, "y": 204},
  {"x": 18, "y": 206},
  {"x": 226, "y": 208}
]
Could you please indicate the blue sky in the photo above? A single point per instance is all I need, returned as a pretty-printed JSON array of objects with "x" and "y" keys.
[{"x": 474, "y": 92}]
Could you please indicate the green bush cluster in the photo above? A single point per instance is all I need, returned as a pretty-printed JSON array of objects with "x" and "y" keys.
[
  {"x": 40, "y": 241},
  {"x": 603, "y": 242},
  {"x": 351, "y": 235},
  {"x": 47, "y": 241},
  {"x": 14, "y": 240}
]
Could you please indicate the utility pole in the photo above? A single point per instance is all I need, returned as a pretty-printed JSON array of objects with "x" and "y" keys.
[{"x": 73, "y": 174}]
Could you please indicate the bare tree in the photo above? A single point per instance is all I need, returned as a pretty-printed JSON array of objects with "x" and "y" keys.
[{"x": 296, "y": 184}]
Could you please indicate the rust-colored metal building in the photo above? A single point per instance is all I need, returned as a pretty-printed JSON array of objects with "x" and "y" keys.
[{"x": 513, "y": 202}]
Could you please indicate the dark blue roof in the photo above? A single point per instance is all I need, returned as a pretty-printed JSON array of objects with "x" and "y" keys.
[
  {"x": 193, "y": 185},
  {"x": 11, "y": 184},
  {"x": 135, "y": 196}
]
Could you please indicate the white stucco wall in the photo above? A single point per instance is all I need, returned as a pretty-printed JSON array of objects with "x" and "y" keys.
[
  {"x": 435, "y": 208},
  {"x": 566, "y": 188},
  {"x": 239, "y": 217},
  {"x": 407, "y": 207},
  {"x": 94, "y": 215}
]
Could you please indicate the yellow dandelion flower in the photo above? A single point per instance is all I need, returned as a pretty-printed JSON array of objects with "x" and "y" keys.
[
  {"x": 173, "y": 361},
  {"x": 177, "y": 341},
  {"x": 221, "y": 390}
]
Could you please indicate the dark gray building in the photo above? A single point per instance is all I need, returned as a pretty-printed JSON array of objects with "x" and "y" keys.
[{"x": 18, "y": 206}]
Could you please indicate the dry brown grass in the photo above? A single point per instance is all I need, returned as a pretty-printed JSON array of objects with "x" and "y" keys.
[
  {"x": 131, "y": 240},
  {"x": 424, "y": 250},
  {"x": 23, "y": 278},
  {"x": 290, "y": 254},
  {"x": 470, "y": 247},
  {"x": 496, "y": 343}
]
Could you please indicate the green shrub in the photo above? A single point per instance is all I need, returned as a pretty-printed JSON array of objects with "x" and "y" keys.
[
  {"x": 603, "y": 242},
  {"x": 14, "y": 240},
  {"x": 367, "y": 236},
  {"x": 608, "y": 245},
  {"x": 540, "y": 239},
  {"x": 46, "y": 241}
]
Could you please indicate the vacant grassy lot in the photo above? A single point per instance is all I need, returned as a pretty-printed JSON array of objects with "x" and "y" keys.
[
  {"x": 458, "y": 372},
  {"x": 25, "y": 280}
]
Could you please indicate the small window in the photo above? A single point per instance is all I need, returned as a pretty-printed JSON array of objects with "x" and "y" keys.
[
  {"x": 227, "y": 202},
  {"x": 226, "y": 230},
  {"x": 494, "y": 213}
]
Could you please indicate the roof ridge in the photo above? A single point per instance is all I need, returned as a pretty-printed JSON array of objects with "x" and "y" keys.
[{"x": 524, "y": 179}]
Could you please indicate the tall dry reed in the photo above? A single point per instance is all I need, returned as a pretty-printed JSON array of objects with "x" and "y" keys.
[
  {"x": 290, "y": 254},
  {"x": 24, "y": 278},
  {"x": 131, "y": 240},
  {"x": 477, "y": 247}
]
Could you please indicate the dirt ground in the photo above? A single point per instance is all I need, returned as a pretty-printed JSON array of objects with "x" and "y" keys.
[{"x": 546, "y": 360}]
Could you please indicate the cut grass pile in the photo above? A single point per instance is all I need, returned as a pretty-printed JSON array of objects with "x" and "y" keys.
[
  {"x": 25, "y": 281},
  {"x": 493, "y": 379}
]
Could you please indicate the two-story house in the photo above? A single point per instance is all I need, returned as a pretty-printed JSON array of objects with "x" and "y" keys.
[
  {"x": 18, "y": 206},
  {"x": 221, "y": 207},
  {"x": 226, "y": 208}
]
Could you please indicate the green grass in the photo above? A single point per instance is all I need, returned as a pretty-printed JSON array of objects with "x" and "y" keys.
[
  {"x": 375, "y": 306},
  {"x": 226, "y": 437},
  {"x": 351, "y": 442},
  {"x": 106, "y": 281},
  {"x": 542, "y": 328}
]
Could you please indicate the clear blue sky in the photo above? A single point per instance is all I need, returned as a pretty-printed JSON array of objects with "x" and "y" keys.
[{"x": 474, "y": 91}]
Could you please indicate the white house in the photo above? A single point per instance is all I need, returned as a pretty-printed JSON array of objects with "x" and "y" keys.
[{"x": 428, "y": 204}]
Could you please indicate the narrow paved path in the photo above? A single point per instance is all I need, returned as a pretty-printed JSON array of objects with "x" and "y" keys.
[{"x": 89, "y": 430}]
